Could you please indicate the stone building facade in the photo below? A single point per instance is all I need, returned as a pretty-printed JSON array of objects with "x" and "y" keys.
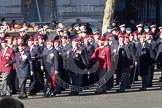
[{"x": 87, "y": 10}]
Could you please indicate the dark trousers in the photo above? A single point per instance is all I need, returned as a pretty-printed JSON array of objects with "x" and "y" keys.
[
  {"x": 150, "y": 76},
  {"x": 124, "y": 80},
  {"x": 48, "y": 85},
  {"x": 76, "y": 82},
  {"x": 144, "y": 81},
  {"x": 93, "y": 77},
  {"x": 102, "y": 81},
  {"x": 118, "y": 76},
  {"x": 22, "y": 86},
  {"x": 110, "y": 83},
  {"x": 34, "y": 80},
  {"x": 33, "y": 84},
  {"x": 132, "y": 75},
  {"x": 13, "y": 81},
  {"x": 40, "y": 79}
]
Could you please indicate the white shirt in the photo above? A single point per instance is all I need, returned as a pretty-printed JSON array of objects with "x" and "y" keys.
[{"x": 4, "y": 51}]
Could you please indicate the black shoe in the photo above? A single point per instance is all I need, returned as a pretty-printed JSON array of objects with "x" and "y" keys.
[
  {"x": 73, "y": 93},
  {"x": 150, "y": 85},
  {"x": 31, "y": 94},
  {"x": 52, "y": 94},
  {"x": 100, "y": 92},
  {"x": 120, "y": 91},
  {"x": 22, "y": 97},
  {"x": 57, "y": 92},
  {"x": 128, "y": 87},
  {"x": 14, "y": 92},
  {"x": 142, "y": 89}
]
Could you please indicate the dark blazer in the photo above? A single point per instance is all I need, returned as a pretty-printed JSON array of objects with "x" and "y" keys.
[
  {"x": 159, "y": 54},
  {"x": 79, "y": 59},
  {"x": 51, "y": 65},
  {"x": 23, "y": 66},
  {"x": 34, "y": 53},
  {"x": 89, "y": 49},
  {"x": 149, "y": 47},
  {"x": 123, "y": 60},
  {"x": 114, "y": 55},
  {"x": 63, "y": 52},
  {"x": 143, "y": 56},
  {"x": 15, "y": 48}
]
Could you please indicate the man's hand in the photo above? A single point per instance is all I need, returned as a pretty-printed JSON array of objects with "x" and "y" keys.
[
  {"x": 31, "y": 73},
  {"x": 33, "y": 58},
  {"x": 51, "y": 56},
  {"x": 131, "y": 66},
  {"x": 68, "y": 52},
  {"x": 78, "y": 52},
  {"x": 136, "y": 63},
  {"x": 42, "y": 68},
  {"x": 56, "y": 72}
]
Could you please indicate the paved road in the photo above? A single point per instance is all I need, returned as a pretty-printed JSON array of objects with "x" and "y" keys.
[{"x": 132, "y": 98}]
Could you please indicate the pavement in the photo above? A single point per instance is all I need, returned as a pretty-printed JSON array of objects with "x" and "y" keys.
[{"x": 132, "y": 98}]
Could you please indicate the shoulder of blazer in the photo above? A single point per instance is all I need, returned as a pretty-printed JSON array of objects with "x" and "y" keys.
[{"x": 10, "y": 50}]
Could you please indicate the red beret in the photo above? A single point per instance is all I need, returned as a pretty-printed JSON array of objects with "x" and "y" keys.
[
  {"x": 127, "y": 35},
  {"x": 149, "y": 33},
  {"x": 8, "y": 37},
  {"x": 57, "y": 41},
  {"x": 40, "y": 36},
  {"x": 49, "y": 40},
  {"x": 64, "y": 37},
  {"x": 80, "y": 38},
  {"x": 85, "y": 37},
  {"x": 15, "y": 38},
  {"x": 4, "y": 41},
  {"x": 90, "y": 36},
  {"x": 107, "y": 39},
  {"x": 120, "y": 36},
  {"x": 75, "y": 40},
  {"x": 109, "y": 35},
  {"x": 101, "y": 39},
  {"x": 35, "y": 39},
  {"x": 135, "y": 33},
  {"x": 21, "y": 44},
  {"x": 96, "y": 33},
  {"x": 121, "y": 33},
  {"x": 20, "y": 37},
  {"x": 30, "y": 39}
]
